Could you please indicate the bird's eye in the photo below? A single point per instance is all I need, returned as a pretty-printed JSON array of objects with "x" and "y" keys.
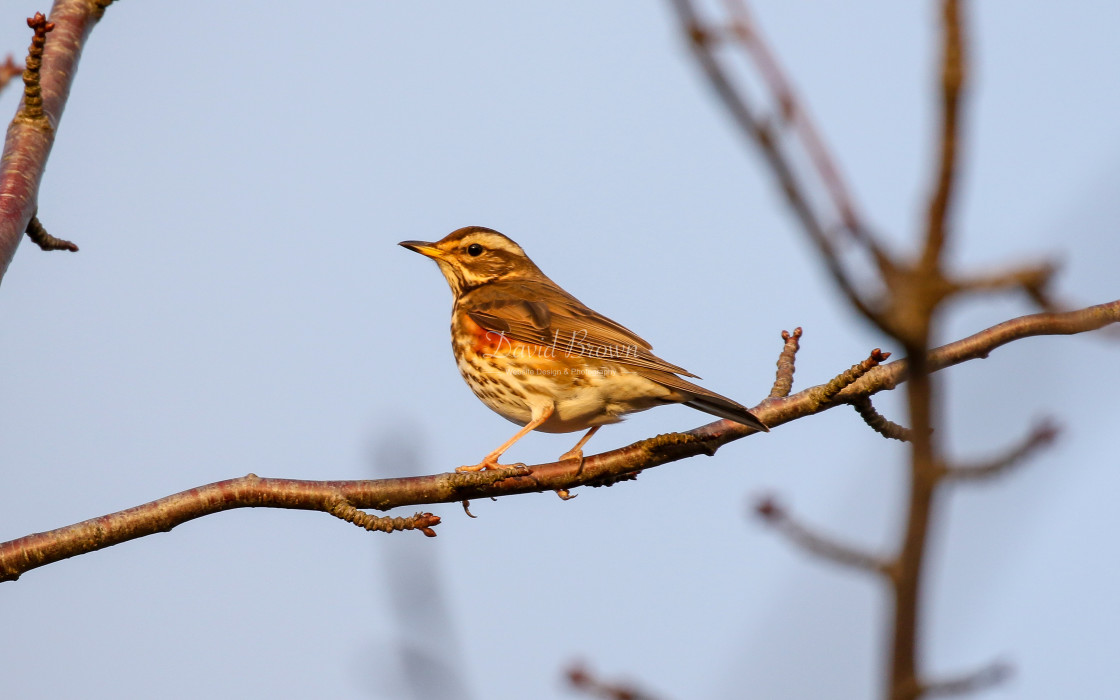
[{"x": 474, "y": 250}]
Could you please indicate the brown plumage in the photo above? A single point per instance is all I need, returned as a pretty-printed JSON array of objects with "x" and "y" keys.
[{"x": 542, "y": 359}]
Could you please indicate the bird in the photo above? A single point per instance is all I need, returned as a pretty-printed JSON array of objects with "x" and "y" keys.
[{"x": 542, "y": 359}]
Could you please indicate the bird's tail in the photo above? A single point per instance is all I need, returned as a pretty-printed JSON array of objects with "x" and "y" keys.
[
  {"x": 723, "y": 407},
  {"x": 707, "y": 401}
]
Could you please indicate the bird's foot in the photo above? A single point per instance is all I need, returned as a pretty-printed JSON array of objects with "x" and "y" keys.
[
  {"x": 575, "y": 455},
  {"x": 481, "y": 466},
  {"x": 489, "y": 463}
]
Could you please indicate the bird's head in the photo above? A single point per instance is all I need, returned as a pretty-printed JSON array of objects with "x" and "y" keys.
[{"x": 474, "y": 255}]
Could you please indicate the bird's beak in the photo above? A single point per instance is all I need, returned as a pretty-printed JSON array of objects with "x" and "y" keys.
[{"x": 423, "y": 247}]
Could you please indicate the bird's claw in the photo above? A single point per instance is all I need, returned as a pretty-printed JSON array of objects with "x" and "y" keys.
[
  {"x": 576, "y": 455},
  {"x": 485, "y": 465}
]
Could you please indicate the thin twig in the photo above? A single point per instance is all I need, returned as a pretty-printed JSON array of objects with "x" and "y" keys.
[
  {"x": 848, "y": 377},
  {"x": 102, "y": 5},
  {"x": 1042, "y": 435},
  {"x": 878, "y": 422},
  {"x": 420, "y": 521},
  {"x": 46, "y": 241},
  {"x": 982, "y": 679},
  {"x": 584, "y": 681},
  {"x": 783, "y": 381},
  {"x": 1033, "y": 280},
  {"x": 32, "y": 109},
  {"x": 815, "y": 543}
]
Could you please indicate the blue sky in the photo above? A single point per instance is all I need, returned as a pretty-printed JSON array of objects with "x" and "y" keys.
[{"x": 237, "y": 178}]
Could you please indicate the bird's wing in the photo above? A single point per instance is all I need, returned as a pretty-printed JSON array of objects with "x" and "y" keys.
[{"x": 544, "y": 315}]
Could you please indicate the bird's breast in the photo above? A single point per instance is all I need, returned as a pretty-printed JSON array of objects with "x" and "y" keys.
[{"x": 518, "y": 380}]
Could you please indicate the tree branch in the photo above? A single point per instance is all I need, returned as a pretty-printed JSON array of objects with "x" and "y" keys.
[
  {"x": 916, "y": 292},
  {"x": 1033, "y": 280},
  {"x": 26, "y": 553},
  {"x": 827, "y": 392},
  {"x": 29, "y": 140},
  {"x": 584, "y": 681},
  {"x": 952, "y": 85},
  {"x": 39, "y": 236},
  {"x": 1042, "y": 435},
  {"x": 981, "y": 679},
  {"x": 878, "y": 422},
  {"x": 8, "y": 70},
  {"x": 794, "y": 113},
  {"x": 754, "y": 127},
  {"x": 980, "y": 345},
  {"x": 815, "y": 543},
  {"x": 783, "y": 380}
]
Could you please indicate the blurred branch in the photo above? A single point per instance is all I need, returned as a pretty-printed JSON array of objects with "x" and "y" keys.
[
  {"x": 982, "y": 679},
  {"x": 1032, "y": 280},
  {"x": 8, "y": 70},
  {"x": 26, "y": 553},
  {"x": 585, "y": 682},
  {"x": 424, "y": 653},
  {"x": 915, "y": 290},
  {"x": 702, "y": 41},
  {"x": 795, "y": 114},
  {"x": 815, "y": 543},
  {"x": 31, "y": 133},
  {"x": 952, "y": 85},
  {"x": 1042, "y": 435},
  {"x": 915, "y": 293}
]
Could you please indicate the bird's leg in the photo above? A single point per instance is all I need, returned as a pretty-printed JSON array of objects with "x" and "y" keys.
[
  {"x": 491, "y": 460},
  {"x": 577, "y": 451}
]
